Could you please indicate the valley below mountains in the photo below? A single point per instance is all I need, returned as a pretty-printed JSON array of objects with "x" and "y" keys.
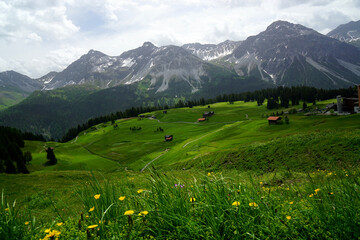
[{"x": 285, "y": 54}]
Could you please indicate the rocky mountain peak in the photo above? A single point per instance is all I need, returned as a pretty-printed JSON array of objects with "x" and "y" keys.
[
  {"x": 349, "y": 32},
  {"x": 287, "y": 29},
  {"x": 285, "y": 54},
  {"x": 148, "y": 45}
]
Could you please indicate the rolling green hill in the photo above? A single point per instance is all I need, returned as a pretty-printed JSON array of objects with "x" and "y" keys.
[{"x": 236, "y": 136}]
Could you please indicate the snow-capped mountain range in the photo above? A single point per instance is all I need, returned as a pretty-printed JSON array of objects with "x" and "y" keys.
[
  {"x": 290, "y": 54},
  {"x": 284, "y": 54},
  {"x": 160, "y": 65}
]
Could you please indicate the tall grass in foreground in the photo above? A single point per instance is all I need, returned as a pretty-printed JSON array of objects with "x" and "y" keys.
[{"x": 209, "y": 206}]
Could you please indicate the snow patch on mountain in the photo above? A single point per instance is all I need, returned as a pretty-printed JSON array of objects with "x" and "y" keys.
[{"x": 129, "y": 62}]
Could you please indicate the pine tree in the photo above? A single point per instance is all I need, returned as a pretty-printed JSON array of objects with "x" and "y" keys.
[{"x": 51, "y": 156}]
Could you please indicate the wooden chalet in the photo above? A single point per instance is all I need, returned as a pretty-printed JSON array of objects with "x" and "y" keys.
[
  {"x": 168, "y": 138},
  {"x": 273, "y": 120}
]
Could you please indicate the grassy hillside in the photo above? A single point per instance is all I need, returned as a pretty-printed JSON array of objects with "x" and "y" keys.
[
  {"x": 297, "y": 180},
  {"x": 235, "y": 133}
]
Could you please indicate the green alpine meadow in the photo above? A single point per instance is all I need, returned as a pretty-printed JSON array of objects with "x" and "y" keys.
[{"x": 234, "y": 175}]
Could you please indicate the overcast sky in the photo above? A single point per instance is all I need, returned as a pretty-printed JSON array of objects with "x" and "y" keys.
[{"x": 40, "y": 36}]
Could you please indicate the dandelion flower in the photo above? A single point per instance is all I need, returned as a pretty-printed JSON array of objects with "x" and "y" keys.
[
  {"x": 209, "y": 174},
  {"x": 52, "y": 234},
  {"x": 92, "y": 226},
  {"x": 6, "y": 209},
  {"x": 140, "y": 191},
  {"x": 288, "y": 217},
  {"x": 261, "y": 183},
  {"x": 122, "y": 198},
  {"x": 47, "y": 230},
  {"x": 236, "y": 203},
  {"x": 59, "y": 224},
  {"x": 311, "y": 195},
  {"x": 331, "y": 193},
  {"x": 129, "y": 212},
  {"x": 317, "y": 190},
  {"x": 91, "y": 209},
  {"x": 291, "y": 202},
  {"x": 192, "y": 199},
  {"x": 97, "y": 196},
  {"x": 253, "y": 204},
  {"x": 143, "y": 213},
  {"x": 27, "y": 223}
]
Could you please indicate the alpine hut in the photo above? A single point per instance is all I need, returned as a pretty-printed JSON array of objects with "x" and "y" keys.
[{"x": 273, "y": 120}]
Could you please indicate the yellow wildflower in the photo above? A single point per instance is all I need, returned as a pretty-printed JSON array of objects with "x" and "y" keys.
[
  {"x": 288, "y": 217},
  {"x": 143, "y": 213},
  {"x": 291, "y": 202},
  {"x": 209, "y": 174},
  {"x": 192, "y": 199},
  {"x": 91, "y": 209},
  {"x": 87, "y": 216},
  {"x": 140, "y": 191},
  {"x": 27, "y": 223},
  {"x": 97, "y": 196},
  {"x": 122, "y": 198},
  {"x": 52, "y": 234},
  {"x": 311, "y": 195},
  {"x": 129, "y": 212},
  {"x": 92, "y": 226},
  {"x": 261, "y": 183},
  {"x": 6, "y": 209},
  {"x": 331, "y": 193},
  {"x": 47, "y": 230},
  {"x": 317, "y": 190},
  {"x": 253, "y": 204},
  {"x": 236, "y": 203},
  {"x": 59, "y": 224}
]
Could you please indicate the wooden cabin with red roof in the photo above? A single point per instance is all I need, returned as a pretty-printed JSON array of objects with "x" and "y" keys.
[{"x": 273, "y": 120}]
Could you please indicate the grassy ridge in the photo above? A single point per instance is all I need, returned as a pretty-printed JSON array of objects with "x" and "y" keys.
[{"x": 235, "y": 129}]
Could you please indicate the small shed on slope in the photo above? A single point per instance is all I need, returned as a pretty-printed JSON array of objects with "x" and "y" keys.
[{"x": 273, "y": 120}]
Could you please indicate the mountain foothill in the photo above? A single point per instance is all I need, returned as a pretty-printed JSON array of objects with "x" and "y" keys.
[{"x": 284, "y": 54}]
